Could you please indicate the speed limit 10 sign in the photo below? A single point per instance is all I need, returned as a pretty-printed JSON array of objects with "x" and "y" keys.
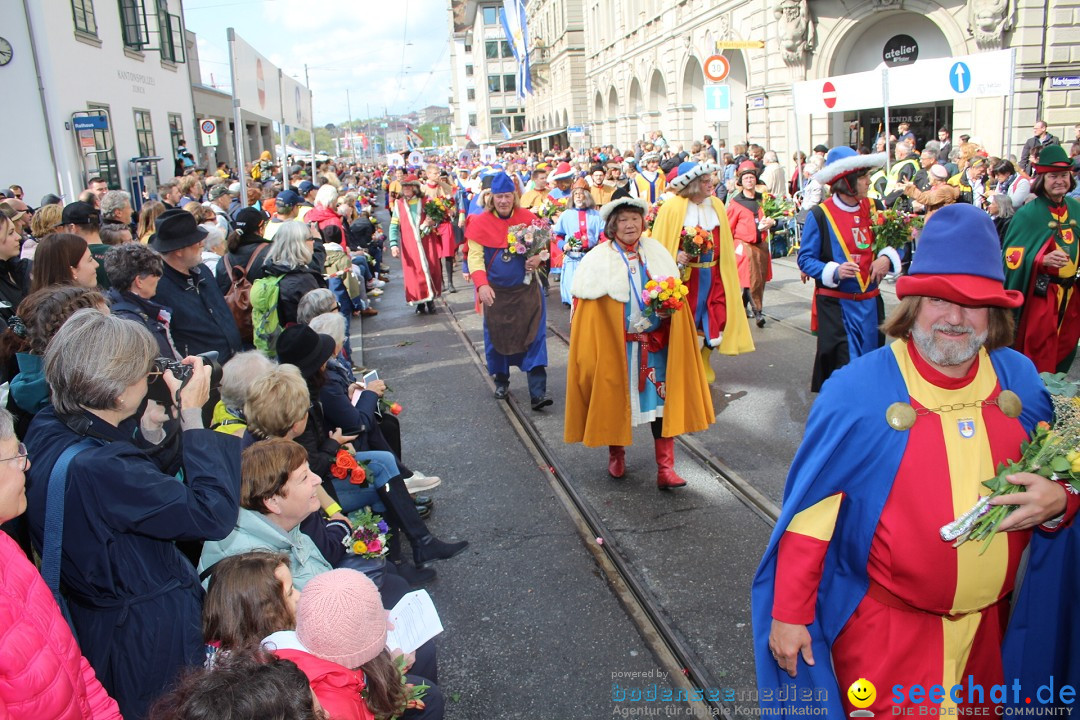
[{"x": 717, "y": 68}]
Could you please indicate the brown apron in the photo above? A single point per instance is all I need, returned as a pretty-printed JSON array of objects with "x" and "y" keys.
[{"x": 513, "y": 320}]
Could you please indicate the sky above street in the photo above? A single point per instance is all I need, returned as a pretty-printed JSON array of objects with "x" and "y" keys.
[{"x": 391, "y": 55}]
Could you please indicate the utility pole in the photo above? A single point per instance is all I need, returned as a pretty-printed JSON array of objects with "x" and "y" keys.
[
  {"x": 311, "y": 128},
  {"x": 351, "y": 134}
]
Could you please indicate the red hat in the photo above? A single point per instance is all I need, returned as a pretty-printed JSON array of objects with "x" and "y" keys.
[
  {"x": 410, "y": 179},
  {"x": 562, "y": 171},
  {"x": 746, "y": 166}
]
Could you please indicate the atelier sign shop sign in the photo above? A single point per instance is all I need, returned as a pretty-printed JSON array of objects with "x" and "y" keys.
[{"x": 900, "y": 50}]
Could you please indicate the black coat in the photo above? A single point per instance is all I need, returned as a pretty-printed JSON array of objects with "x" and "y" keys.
[
  {"x": 239, "y": 259},
  {"x": 201, "y": 320},
  {"x": 14, "y": 286},
  {"x": 295, "y": 283},
  {"x": 361, "y": 233},
  {"x": 147, "y": 313}
]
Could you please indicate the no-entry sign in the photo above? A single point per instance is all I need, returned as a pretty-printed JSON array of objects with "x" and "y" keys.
[{"x": 828, "y": 94}]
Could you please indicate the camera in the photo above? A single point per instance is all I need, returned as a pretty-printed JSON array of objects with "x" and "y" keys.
[{"x": 159, "y": 391}]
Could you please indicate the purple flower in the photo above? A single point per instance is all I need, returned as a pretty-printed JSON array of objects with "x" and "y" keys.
[{"x": 383, "y": 527}]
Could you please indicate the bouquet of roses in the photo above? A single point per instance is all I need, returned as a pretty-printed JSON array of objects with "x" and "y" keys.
[
  {"x": 650, "y": 217},
  {"x": 777, "y": 208},
  {"x": 663, "y": 296},
  {"x": 413, "y": 693},
  {"x": 893, "y": 228},
  {"x": 529, "y": 241},
  {"x": 550, "y": 209},
  {"x": 368, "y": 538},
  {"x": 438, "y": 211},
  {"x": 1052, "y": 451},
  {"x": 695, "y": 242},
  {"x": 576, "y": 244},
  {"x": 347, "y": 467}
]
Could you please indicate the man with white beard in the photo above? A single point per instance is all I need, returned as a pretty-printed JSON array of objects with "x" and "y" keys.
[{"x": 898, "y": 445}]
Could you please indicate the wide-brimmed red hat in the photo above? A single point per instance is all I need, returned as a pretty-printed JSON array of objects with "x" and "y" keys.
[{"x": 959, "y": 260}]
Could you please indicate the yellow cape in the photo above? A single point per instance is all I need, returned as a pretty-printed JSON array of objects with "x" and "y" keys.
[
  {"x": 669, "y": 222},
  {"x": 598, "y": 381}
]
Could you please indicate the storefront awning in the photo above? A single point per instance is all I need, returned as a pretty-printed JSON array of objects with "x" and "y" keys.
[{"x": 524, "y": 138}]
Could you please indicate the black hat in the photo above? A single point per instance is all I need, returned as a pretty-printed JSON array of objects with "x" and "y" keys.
[
  {"x": 301, "y": 346},
  {"x": 82, "y": 213},
  {"x": 249, "y": 219},
  {"x": 176, "y": 229},
  {"x": 821, "y": 149},
  {"x": 50, "y": 199}
]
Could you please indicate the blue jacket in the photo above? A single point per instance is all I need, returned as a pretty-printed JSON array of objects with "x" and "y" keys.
[
  {"x": 134, "y": 598},
  {"x": 149, "y": 314},
  {"x": 201, "y": 321}
]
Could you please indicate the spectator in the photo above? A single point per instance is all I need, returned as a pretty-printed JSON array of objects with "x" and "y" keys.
[
  {"x": 82, "y": 219},
  {"x": 946, "y": 145},
  {"x": 772, "y": 177},
  {"x": 42, "y": 672},
  {"x": 1038, "y": 141},
  {"x": 710, "y": 151},
  {"x": 148, "y": 216},
  {"x": 939, "y": 194},
  {"x": 63, "y": 259},
  {"x": 191, "y": 190},
  {"x": 46, "y": 220},
  {"x": 285, "y": 209},
  {"x": 18, "y": 212},
  {"x": 184, "y": 160},
  {"x": 123, "y": 575},
  {"x": 201, "y": 321},
  {"x": 169, "y": 194},
  {"x": 96, "y": 188},
  {"x": 134, "y": 271},
  {"x": 323, "y": 212},
  {"x": 14, "y": 271},
  {"x": 237, "y": 376},
  {"x": 971, "y": 182},
  {"x": 220, "y": 199},
  {"x": 289, "y": 257},
  {"x": 1009, "y": 182},
  {"x": 1001, "y": 210},
  {"x": 116, "y": 207}
]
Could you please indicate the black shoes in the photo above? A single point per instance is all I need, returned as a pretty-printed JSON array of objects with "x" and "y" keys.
[
  {"x": 539, "y": 403},
  {"x": 760, "y": 319},
  {"x": 431, "y": 548},
  {"x": 501, "y": 391},
  {"x": 413, "y": 575},
  {"x": 424, "y": 505}
]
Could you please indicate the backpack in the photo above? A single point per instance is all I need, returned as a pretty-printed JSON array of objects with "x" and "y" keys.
[
  {"x": 238, "y": 298},
  {"x": 266, "y": 326}
]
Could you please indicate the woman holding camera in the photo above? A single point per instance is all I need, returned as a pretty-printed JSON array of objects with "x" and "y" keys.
[{"x": 133, "y": 597}]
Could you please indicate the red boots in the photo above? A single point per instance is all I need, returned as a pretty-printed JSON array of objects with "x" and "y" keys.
[
  {"x": 616, "y": 464},
  {"x": 666, "y": 479}
]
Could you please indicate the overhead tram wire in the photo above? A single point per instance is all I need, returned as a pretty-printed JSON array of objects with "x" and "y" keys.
[{"x": 404, "y": 44}]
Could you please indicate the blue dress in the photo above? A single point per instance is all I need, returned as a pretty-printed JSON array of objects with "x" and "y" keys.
[
  {"x": 646, "y": 404},
  {"x": 568, "y": 225}
]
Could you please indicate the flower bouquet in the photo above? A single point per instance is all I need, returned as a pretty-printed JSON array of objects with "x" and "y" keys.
[
  {"x": 650, "y": 217},
  {"x": 777, "y": 208},
  {"x": 347, "y": 467},
  {"x": 893, "y": 228},
  {"x": 414, "y": 694},
  {"x": 550, "y": 209},
  {"x": 695, "y": 242},
  {"x": 528, "y": 241},
  {"x": 663, "y": 296},
  {"x": 369, "y": 536},
  {"x": 1052, "y": 451},
  {"x": 575, "y": 245},
  {"x": 438, "y": 211}
]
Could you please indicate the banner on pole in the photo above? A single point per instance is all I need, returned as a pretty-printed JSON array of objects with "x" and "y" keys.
[{"x": 255, "y": 80}]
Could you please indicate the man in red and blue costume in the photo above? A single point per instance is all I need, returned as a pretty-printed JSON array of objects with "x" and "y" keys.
[
  {"x": 515, "y": 314},
  {"x": 836, "y": 251},
  {"x": 856, "y": 581}
]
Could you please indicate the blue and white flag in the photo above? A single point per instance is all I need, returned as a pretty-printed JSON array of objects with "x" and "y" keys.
[
  {"x": 512, "y": 15},
  {"x": 505, "y": 130}
]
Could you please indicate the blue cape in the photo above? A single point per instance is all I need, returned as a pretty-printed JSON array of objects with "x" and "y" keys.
[{"x": 828, "y": 444}]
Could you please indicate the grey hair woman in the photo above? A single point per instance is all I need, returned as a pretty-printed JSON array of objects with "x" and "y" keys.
[
  {"x": 290, "y": 256},
  {"x": 124, "y": 509},
  {"x": 316, "y": 302},
  {"x": 237, "y": 376}
]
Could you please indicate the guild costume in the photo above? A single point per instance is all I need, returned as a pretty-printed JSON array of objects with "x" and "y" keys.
[
  {"x": 712, "y": 277},
  {"x": 856, "y": 555},
  {"x": 1049, "y": 321},
  {"x": 446, "y": 239},
  {"x": 651, "y": 184},
  {"x": 582, "y": 226},
  {"x": 624, "y": 369},
  {"x": 751, "y": 242},
  {"x": 848, "y": 310},
  {"x": 562, "y": 171},
  {"x": 515, "y": 325},
  {"x": 420, "y": 269}
]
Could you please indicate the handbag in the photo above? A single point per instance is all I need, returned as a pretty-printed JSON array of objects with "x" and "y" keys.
[{"x": 53, "y": 536}]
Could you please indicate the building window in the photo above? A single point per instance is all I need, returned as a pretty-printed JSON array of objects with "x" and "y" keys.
[
  {"x": 133, "y": 24},
  {"x": 494, "y": 83},
  {"x": 497, "y": 124},
  {"x": 176, "y": 131},
  {"x": 519, "y": 123},
  {"x": 509, "y": 83},
  {"x": 105, "y": 157},
  {"x": 472, "y": 120},
  {"x": 491, "y": 49},
  {"x": 468, "y": 47},
  {"x": 144, "y": 133},
  {"x": 468, "y": 71},
  {"x": 83, "y": 11},
  {"x": 470, "y": 94},
  {"x": 491, "y": 16},
  {"x": 171, "y": 29},
  {"x": 506, "y": 51}
]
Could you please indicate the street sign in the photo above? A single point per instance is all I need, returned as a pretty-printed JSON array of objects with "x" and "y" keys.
[
  {"x": 90, "y": 122},
  {"x": 1061, "y": 82},
  {"x": 828, "y": 94},
  {"x": 739, "y": 45},
  {"x": 717, "y": 103},
  {"x": 960, "y": 77},
  {"x": 717, "y": 68},
  {"x": 208, "y": 129},
  {"x": 757, "y": 102}
]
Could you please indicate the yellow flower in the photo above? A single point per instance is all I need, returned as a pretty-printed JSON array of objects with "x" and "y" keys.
[
  {"x": 359, "y": 547},
  {"x": 664, "y": 285}
]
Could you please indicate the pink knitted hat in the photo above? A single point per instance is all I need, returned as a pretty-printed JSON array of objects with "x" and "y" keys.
[{"x": 340, "y": 618}]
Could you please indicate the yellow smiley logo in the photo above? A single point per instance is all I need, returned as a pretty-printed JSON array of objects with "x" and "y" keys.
[{"x": 862, "y": 693}]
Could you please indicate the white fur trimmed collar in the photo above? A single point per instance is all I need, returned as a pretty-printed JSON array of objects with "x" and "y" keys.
[{"x": 602, "y": 271}]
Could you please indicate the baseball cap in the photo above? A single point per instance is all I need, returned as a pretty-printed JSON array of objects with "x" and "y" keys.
[
  {"x": 305, "y": 187},
  {"x": 234, "y": 189},
  {"x": 288, "y": 198},
  {"x": 80, "y": 213},
  {"x": 249, "y": 219},
  {"x": 218, "y": 190}
]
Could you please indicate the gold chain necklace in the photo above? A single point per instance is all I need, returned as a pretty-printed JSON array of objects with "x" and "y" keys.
[{"x": 901, "y": 415}]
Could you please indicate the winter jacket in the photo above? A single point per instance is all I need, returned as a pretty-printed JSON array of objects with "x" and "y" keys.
[
  {"x": 253, "y": 531},
  {"x": 201, "y": 320},
  {"x": 134, "y": 598},
  {"x": 239, "y": 259},
  {"x": 14, "y": 286},
  {"x": 338, "y": 409},
  {"x": 361, "y": 233},
  {"x": 42, "y": 672},
  {"x": 324, "y": 216},
  {"x": 29, "y": 389},
  {"x": 295, "y": 283},
  {"x": 149, "y": 314},
  {"x": 337, "y": 687}
]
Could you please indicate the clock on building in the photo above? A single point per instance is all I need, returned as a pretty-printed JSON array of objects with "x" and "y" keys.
[{"x": 5, "y": 52}]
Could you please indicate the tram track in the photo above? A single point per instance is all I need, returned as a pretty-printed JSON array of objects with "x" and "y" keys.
[{"x": 683, "y": 665}]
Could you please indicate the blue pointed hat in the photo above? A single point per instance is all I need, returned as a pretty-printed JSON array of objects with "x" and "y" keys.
[
  {"x": 501, "y": 183},
  {"x": 959, "y": 260}
]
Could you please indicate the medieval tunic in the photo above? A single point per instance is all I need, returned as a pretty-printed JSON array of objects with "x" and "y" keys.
[
  {"x": 446, "y": 243},
  {"x": 420, "y": 267},
  {"x": 1049, "y": 324},
  {"x": 650, "y": 185},
  {"x": 751, "y": 248},
  {"x": 579, "y": 223},
  {"x": 519, "y": 312},
  {"x": 713, "y": 278},
  {"x": 605, "y": 395}
]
